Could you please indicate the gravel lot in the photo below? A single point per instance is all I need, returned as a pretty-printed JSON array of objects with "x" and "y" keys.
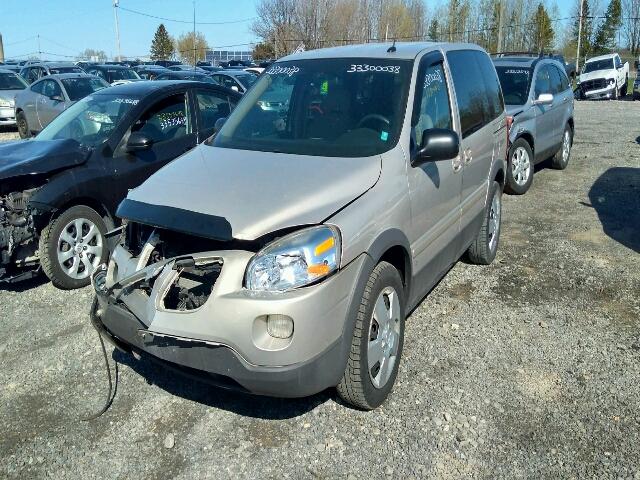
[{"x": 529, "y": 368}]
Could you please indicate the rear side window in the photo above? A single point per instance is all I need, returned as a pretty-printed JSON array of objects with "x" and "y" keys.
[
  {"x": 212, "y": 106},
  {"x": 479, "y": 96}
]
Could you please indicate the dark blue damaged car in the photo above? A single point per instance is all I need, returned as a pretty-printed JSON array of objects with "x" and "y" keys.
[{"x": 59, "y": 191}]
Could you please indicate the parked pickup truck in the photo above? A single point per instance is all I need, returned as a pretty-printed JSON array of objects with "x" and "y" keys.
[{"x": 604, "y": 77}]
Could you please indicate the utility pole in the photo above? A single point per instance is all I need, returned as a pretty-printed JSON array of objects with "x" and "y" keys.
[
  {"x": 500, "y": 24},
  {"x": 1, "y": 49},
  {"x": 39, "y": 51},
  {"x": 115, "y": 14},
  {"x": 579, "y": 38}
]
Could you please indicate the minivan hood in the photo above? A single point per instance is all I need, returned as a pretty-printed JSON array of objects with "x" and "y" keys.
[
  {"x": 32, "y": 157},
  {"x": 251, "y": 193}
]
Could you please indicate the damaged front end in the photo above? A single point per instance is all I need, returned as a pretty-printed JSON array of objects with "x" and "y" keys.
[
  {"x": 18, "y": 237},
  {"x": 184, "y": 300}
]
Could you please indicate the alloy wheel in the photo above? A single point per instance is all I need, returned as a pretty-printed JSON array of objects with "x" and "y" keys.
[
  {"x": 494, "y": 221},
  {"x": 520, "y": 166},
  {"x": 80, "y": 248}
]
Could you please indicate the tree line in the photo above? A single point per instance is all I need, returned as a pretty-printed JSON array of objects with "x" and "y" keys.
[{"x": 507, "y": 25}]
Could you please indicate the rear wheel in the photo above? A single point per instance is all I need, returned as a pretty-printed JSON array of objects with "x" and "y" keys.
[
  {"x": 485, "y": 246},
  {"x": 72, "y": 246},
  {"x": 23, "y": 126},
  {"x": 519, "y": 168},
  {"x": 378, "y": 337}
]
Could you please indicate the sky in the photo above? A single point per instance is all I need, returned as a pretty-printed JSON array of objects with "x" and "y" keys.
[
  {"x": 74, "y": 25},
  {"x": 67, "y": 27}
]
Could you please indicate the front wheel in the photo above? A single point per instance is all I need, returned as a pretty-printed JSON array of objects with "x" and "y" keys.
[
  {"x": 561, "y": 159},
  {"x": 623, "y": 90},
  {"x": 378, "y": 338},
  {"x": 72, "y": 246},
  {"x": 485, "y": 246},
  {"x": 23, "y": 126},
  {"x": 519, "y": 168}
]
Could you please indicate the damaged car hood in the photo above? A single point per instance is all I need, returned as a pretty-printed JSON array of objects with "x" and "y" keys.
[
  {"x": 40, "y": 157},
  {"x": 236, "y": 194}
]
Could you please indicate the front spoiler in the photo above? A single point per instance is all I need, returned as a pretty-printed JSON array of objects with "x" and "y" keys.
[{"x": 213, "y": 362}]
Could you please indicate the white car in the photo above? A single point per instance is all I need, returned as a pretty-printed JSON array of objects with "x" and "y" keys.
[{"x": 604, "y": 77}]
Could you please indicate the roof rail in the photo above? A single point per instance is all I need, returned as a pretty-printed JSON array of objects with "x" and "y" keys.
[{"x": 521, "y": 54}]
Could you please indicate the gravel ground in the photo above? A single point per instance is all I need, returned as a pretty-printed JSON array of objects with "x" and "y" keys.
[{"x": 528, "y": 368}]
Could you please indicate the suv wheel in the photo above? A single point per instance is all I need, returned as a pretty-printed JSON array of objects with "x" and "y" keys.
[
  {"x": 23, "y": 126},
  {"x": 485, "y": 246},
  {"x": 72, "y": 246},
  {"x": 561, "y": 159},
  {"x": 519, "y": 168},
  {"x": 378, "y": 337}
]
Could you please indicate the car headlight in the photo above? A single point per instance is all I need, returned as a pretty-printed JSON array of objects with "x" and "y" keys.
[
  {"x": 5, "y": 103},
  {"x": 296, "y": 260}
]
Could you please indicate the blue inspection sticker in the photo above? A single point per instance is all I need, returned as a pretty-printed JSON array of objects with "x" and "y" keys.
[{"x": 384, "y": 136}]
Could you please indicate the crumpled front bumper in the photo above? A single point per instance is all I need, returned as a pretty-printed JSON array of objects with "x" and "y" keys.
[
  {"x": 606, "y": 92},
  {"x": 7, "y": 116},
  {"x": 226, "y": 337}
]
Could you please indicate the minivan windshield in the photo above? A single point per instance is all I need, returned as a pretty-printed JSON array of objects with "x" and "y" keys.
[
  {"x": 343, "y": 107},
  {"x": 515, "y": 84},
  {"x": 606, "y": 64},
  {"x": 91, "y": 120}
]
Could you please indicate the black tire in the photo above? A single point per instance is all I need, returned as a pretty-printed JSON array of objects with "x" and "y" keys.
[
  {"x": 558, "y": 161},
  {"x": 636, "y": 96},
  {"x": 485, "y": 246},
  {"x": 623, "y": 90},
  {"x": 23, "y": 126},
  {"x": 50, "y": 239},
  {"x": 356, "y": 386},
  {"x": 511, "y": 186}
]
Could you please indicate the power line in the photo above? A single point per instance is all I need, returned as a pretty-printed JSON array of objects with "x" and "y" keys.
[
  {"x": 20, "y": 41},
  {"x": 185, "y": 21}
]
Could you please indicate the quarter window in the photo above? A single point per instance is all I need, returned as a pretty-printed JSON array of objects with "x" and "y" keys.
[
  {"x": 434, "y": 110},
  {"x": 38, "y": 87},
  {"x": 51, "y": 88},
  {"x": 166, "y": 120}
]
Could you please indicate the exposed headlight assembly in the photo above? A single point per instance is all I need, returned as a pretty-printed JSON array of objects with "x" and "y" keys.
[
  {"x": 612, "y": 81},
  {"x": 295, "y": 260}
]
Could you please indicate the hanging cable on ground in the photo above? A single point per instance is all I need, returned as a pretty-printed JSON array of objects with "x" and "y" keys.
[{"x": 113, "y": 382}]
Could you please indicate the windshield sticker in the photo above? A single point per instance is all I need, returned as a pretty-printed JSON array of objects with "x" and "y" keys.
[
  {"x": 98, "y": 117},
  {"x": 517, "y": 72},
  {"x": 374, "y": 68},
  {"x": 384, "y": 136},
  {"x": 132, "y": 101},
  {"x": 172, "y": 119},
  {"x": 324, "y": 87},
  {"x": 429, "y": 78},
  {"x": 277, "y": 70}
]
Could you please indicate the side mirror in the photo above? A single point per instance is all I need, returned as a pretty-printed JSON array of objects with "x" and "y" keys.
[
  {"x": 138, "y": 141},
  {"x": 219, "y": 123},
  {"x": 57, "y": 98},
  {"x": 437, "y": 144},
  {"x": 544, "y": 99}
]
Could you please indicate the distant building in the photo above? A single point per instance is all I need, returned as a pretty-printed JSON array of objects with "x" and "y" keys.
[{"x": 217, "y": 56}]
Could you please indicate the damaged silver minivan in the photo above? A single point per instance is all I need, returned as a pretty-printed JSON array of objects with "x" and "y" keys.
[{"x": 282, "y": 256}]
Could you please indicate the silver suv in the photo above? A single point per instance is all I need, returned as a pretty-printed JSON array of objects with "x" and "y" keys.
[
  {"x": 540, "y": 106},
  {"x": 282, "y": 256}
]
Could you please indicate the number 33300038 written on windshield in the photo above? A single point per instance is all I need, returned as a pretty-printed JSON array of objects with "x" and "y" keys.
[{"x": 374, "y": 68}]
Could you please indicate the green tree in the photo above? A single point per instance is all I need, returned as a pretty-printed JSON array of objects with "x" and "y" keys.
[
  {"x": 92, "y": 55},
  {"x": 434, "y": 27},
  {"x": 543, "y": 34},
  {"x": 191, "y": 48},
  {"x": 605, "y": 39},
  {"x": 263, "y": 51},
  {"x": 162, "y": 44},
  {"x": 587, "y": 28}
]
